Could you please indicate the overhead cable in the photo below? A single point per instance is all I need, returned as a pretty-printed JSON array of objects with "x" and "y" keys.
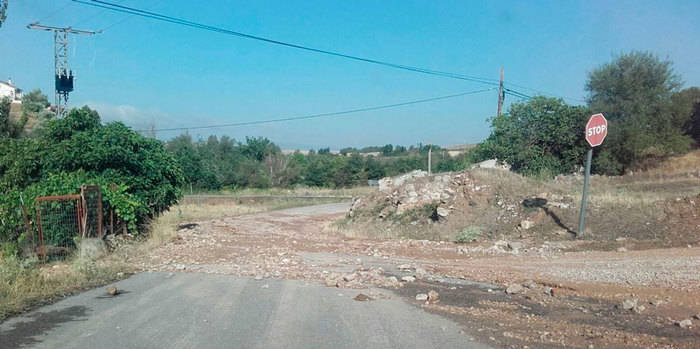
[
  {"x": 321, "y": 115},
  {"x": 170, "y": 19}
]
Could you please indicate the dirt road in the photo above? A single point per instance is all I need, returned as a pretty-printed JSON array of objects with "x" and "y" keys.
[
  {"x": 555, "y": 298},
  {"x": 574, "y": 298}
]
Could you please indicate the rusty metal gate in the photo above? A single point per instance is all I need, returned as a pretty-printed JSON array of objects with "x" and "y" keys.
[{"x": 62, "y": 219}]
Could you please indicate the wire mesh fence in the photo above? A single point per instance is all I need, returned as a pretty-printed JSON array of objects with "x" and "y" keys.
[
  {"x": 58, "y": 223},
  {"x": 63, "y": 220}
]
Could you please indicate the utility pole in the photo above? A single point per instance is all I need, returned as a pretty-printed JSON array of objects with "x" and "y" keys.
[
  {"x": 64, "y": 76},
  {"x": 430, "y": 160},
  {"x": 501, "y": 94}
]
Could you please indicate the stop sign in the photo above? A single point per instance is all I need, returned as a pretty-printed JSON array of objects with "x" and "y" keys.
[{"x": 596, "y": 130}]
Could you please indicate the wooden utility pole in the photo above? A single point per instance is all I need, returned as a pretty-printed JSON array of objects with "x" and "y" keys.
[{"x": 501, "y": 94}]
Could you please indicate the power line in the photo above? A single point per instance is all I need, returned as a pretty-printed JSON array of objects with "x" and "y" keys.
[
  {"x": 165, "y": 18},
  {"x": 315, "y": 116},
  {"x": 516, "y": 93},
  {"x": 546, "y": 93}
]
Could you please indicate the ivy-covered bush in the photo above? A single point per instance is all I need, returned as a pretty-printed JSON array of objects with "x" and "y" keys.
[{"x": 79, "y": 149}]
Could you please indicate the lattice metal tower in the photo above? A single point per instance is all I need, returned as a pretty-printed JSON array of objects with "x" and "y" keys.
[{"x": 64, "y": 75}]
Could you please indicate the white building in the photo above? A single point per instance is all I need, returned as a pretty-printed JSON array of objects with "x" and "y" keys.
[{"x": 7, "y": 89}]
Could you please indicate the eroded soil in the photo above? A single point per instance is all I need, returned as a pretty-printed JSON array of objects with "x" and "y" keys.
[{"x": 571, "y": 299}]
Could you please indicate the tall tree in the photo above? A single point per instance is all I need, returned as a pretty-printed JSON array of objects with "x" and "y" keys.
[{"x": 634, "y": 92}]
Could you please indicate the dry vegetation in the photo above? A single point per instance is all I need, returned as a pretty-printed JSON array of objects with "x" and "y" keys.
[
  {"x": 27, "y": 283},
  {"x": 658, "y": 208}
]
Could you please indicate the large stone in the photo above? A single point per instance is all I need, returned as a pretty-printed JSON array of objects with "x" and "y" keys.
[
  {"x": 443, "y": 212},
  {"x": 629, "y": 304},
  {"x": 684, "y": 323},
  {"x": 527, "y": 224},
  {"x": 515, "y": 289},
  {"x": 422, "y": 297},
  {"x": 515, "y": 245},
  {"x": 91, "y": 248},
  {"x": 433, "y": 296}
]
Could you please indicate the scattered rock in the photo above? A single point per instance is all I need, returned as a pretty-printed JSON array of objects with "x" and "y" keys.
[
  {"x": 638, "y": 309},
  {"x": 349, "y": 277},
  {"x": 630, "y": 303},
  {"x": 656, "y": 302},
  {"x": 361, "y": 297},
  {"x": 433, "y": 296},
  {"x": 697, "y": 316},
  {"x": 515, "y": 245},
  {"x": 443, "y": 212},
  {"x": 112, "y": 291},
  {"x": 684, "y": 323},
  {"x": 515, "y": 289},
  {"x": 530, "y": 284},
  {"x": 408, "y": 278},
  {"x": 527, "y": 224},
  {"x": 258, "y": 277},
  {"x": 404, "y": 267},
  {"x": 421, "y": 297},
  {"x": 186, "y": 226},
  {"x": 549, "y": 291},
  {"x": 621, "y": 249}
]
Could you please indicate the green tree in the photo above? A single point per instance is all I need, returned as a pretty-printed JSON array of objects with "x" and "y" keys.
[
  {"x": 543, "y": 135},
  {"x": 8, "y": 127},
  {"x": 635, "y": 92}
]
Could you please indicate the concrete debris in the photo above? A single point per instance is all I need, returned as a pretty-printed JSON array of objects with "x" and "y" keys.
[
  {"x": 493, "y": 164},
  {"x": 390, "y": 182}
]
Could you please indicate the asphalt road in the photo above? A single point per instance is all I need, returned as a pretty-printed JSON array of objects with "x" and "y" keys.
[{"x": 191, "y": 310}]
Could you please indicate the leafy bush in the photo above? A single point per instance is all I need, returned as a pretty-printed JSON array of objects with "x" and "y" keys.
[
  {"x": 543, "y": 135},
  {"x": 78, "y": 150}
]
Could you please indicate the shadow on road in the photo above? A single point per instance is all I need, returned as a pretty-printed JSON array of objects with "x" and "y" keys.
[{"x": 25, "y": 332}]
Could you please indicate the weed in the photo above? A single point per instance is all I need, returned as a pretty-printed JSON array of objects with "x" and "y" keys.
[{"x": 470, "y": 234}]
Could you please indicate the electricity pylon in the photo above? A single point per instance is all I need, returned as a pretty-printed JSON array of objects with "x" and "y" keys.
[{"x": 64, "y": 76}]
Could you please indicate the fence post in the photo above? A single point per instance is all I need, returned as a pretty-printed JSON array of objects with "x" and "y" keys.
[{"x": 42, "y": 250}]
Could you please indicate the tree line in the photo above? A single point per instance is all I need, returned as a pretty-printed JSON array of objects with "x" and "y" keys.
[{"x": 223, "y": 162}]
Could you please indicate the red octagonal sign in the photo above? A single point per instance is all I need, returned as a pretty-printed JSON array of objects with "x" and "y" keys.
[{"x": 596, "y": 130}]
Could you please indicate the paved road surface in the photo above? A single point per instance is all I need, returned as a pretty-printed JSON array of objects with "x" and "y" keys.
[{"x": 191, "y": 310}]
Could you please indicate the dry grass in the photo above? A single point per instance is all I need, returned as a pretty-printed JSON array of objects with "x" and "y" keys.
[
  {"x": 299, "y": 191},
  {"x": 27, "y": 283}
]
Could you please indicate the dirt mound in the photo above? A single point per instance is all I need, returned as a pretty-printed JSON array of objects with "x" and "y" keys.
[{"x": 467, "y": 205}]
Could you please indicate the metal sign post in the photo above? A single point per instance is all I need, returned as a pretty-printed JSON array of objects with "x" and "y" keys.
[{"x": 596, "y": 130}]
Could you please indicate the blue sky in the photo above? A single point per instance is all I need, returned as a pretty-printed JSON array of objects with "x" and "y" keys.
[{"x": 142, "y": 71}]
